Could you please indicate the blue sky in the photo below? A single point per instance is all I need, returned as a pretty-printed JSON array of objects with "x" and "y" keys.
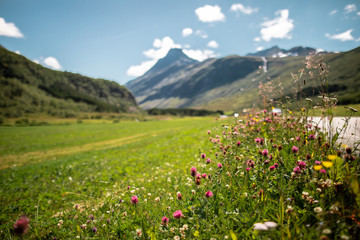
[{"x": 120, "y": 39}]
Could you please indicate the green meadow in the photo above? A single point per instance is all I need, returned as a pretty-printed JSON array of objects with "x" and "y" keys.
[{"x": 48, "y": 168}]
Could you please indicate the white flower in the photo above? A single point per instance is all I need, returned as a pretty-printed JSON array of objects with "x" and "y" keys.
[
  {"x": 260, "y": 227},
  {"x": 271, "y": 224},
  {"x": 318, "y": 210},
  {"x": 265, "y": 226}
]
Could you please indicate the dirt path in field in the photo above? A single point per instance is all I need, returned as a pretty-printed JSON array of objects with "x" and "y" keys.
[{"x": 39, "y": 156}]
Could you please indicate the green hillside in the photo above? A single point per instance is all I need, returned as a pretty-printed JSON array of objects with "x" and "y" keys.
[
  {"x": 343, "y": 82},
  {"x": 27, "y": 87}
]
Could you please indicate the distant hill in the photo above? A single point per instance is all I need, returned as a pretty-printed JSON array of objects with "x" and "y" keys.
[
  {"x": 231, "y": 83},
  {"x": 27, "y": 87},
  {"x": 277, "y": 52}
]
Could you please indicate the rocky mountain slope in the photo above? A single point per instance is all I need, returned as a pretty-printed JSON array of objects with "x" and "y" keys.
[{"x": 232, "y": 82}]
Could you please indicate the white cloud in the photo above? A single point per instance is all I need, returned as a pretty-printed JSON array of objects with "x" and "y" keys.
[
  {"x": 163, "y": 46},
  {"x": 345, "y": 36},
  {"x": 52, "y": 62},
  {"x": 333, "y": 12},
  {"x": 238, "y": 7},
  {"x": 36, "y": 61},
  {"x": 280, "y": 27},
  {"x": 201, "y": 34},
  {"x": 259, "y": 48},
  {"x": 136, "y": 71},
  {"x": 210, "y": 13},
  {"x": 350, "y": 8},
  {"x": 17, "y": 52},
  {"x": 187, "y": 32},
  {"x": 358, "y": 13},
  {"x": 200, "y": 55},
  {"x": 213, "y": 44},
  {"x": 257, "y": 39},
  {"x": 9, "y": 29}
]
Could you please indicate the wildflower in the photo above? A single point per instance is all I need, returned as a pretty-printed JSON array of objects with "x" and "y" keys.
[
  {"x": 193, "y": 171},
  {"x": 91, "y": 217},
  {"x": 204, "y": 175},
  {"x": 318, "y": 210},
  {"x": 208, "y": 160},
  {"x": 176, "y": 238},
  {"x": 94, "y": 229},
  {"x": 178, "y": 214},
  {"x": 272, "y": 168},
  {"x": 238, "y": 143},
  {"x": 301, "y": 164},
  {"x": 317, "y": 163},
  {"x": 276, "y": 165},
  {"x": 219, "y": 165},
  {"x": 179, "y": 196},
  {"x": 203, "y": 155},
  {"x": 297, "y": 170},
  {"x": 209, "y": 132},
  {"x": 250, "y": 163},
  {"x": 348, "y": 150},
  {"x": 311, "y": 137},
  {"x": 294, "y": 149},
  {"x": 134, "y": 200},
  {"x": 280, "y": 147},
  {"x": 198, "y": 181},
  {"x": 264, "y": 226},
  {"x": 317, "y": 167},
  {"x": 265, "y": 152},
  {"x": 138, "y": 232},
  {"x": 332, "y": 157},
  {"x": 289, "y": 209},
  {"x": 83, "y": 226},
  {"x": 248, "y": 169},
  {"x": 21, "y": 226},
  {"x": 208, "y": 194},
  {"x": 164, "y": 220},
  {"x": 270, "y": 224},
  {"x": 328, "y": 164},
  {"x": 157, "y": 199}
]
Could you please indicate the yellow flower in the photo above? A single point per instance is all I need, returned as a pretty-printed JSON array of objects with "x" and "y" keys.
[
  {"x": 328, "y": 164},
  {"x": 317, "y": 167},
  {"x": 332, "y": 157},
  {"x": 290, "y": 111},
  {"x": 344, "y": 146},
  {"x": 272, "y": 108}
]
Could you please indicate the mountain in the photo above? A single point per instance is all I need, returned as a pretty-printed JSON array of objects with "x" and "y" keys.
[
  {"x": 27, "y": 87},
  {"x": 277, "y": 52},
  {"x": 232, "y": 82},
  {"x": 174, "y": 61}
]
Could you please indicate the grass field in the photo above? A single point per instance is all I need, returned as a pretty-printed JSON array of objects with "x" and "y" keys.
[
  {"x": 266, "y": 176},
  {"x": 40, "y": 164}
]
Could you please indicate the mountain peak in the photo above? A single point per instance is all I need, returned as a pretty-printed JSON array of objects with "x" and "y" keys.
[
  {"x": 174, "y": 57},
  {"x": 176, "y": 54}
]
